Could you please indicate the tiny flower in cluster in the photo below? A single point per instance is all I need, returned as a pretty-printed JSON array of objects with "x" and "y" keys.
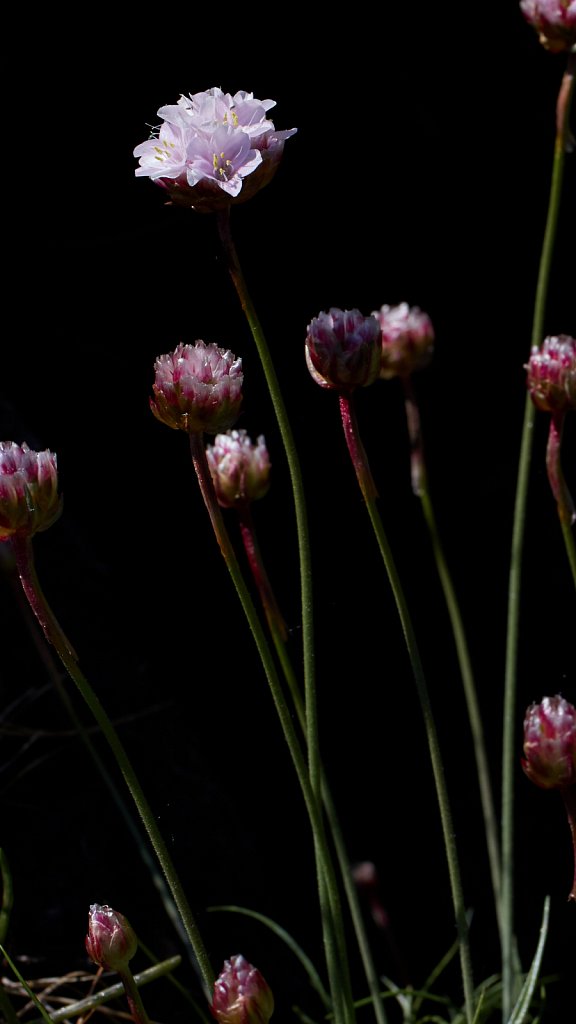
[
  {"x": 343, "y": 349},
  {"x": 552, "y": 374},
  {"x": 197, "y": 388},
  {"x": 213, "y": 149},
  {"x": 550, "y": 743},
  {"x": 240, "y": 469},
  {"x": 111, "y": 942},
  {"x": 241, "y": 996},
  {"x": 554, "y": 21},
  {"x": 28, "y": 490},
  {"x": 407, "y": 340}
]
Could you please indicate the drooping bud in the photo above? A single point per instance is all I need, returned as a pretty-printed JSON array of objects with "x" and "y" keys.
[
  {"x": 343, "y": 349},
  {"x": 240, "y": 469},
  {"x": 197, "y": 388},
  {"x": 553, "y": 20},
  {"x": 241, "y": 996},
  {"x": 550, "y": 743},
  {"x": 111, "y": 942},
  {"x": 551, "y": 376},
  {"x": 28, "y": 490},
  {"x": 407, "y": 340}
]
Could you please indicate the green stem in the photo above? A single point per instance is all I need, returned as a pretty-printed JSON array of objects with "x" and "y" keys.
[
  {"x": 509, "y": 975},
  {"x": 25, "y": 564},
  {"x": 285, "y": 428},
  {"x": 420, "y": 487},
  {"x": 368, "y": 489},
  {"x": 331, "y": 913}
]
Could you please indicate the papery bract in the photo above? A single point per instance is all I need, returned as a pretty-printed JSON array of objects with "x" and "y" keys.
[
  {"x": 111, "y": 942},
  {"x": 213, "y": 149},
  {"x": 28, "y": 490},
  {"x": 343, "y": 349},
  {"x": 550, "y": 743},
  {"x": 551, "y": 375},
  {"x": 241, "y": 995},
  {"x": 240, "y": 469},
  {"x": 197, "y": 388},
  {"x": 407, "y": 339},
  {"x": 554, "y": 20}
]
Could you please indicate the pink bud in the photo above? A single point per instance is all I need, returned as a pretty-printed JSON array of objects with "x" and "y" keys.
[
  {"x": 197, "y": 388},
  {"x": 28, "y": 490},
  {"x": 552, "y": 374},
  {"x": 240, "y": 469},
  {"x": 550, "y": 743},
  {"x": 343, "y": 349},
  {"x": 111, "y": 942},
  {"x": 407, "y": 339},
  {"x": 241, "y": 996}
]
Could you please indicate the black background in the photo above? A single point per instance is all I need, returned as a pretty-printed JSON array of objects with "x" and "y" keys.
[{"x": 419, "y": 173}]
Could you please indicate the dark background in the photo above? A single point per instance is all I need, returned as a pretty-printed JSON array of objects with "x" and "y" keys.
[{"x": 419, "y": 173}]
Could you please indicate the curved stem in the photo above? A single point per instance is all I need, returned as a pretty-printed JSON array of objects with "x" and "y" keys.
[
  {"x": 509, "y": 978},
  {"x": 565, "y": 504},
  {"x": 137, "y": 1010},
  {"x": 368, "y": 489},
  {"x": 25, "y": 564},
  {"x": 331, "y": 913},
  {"x": 420, "y": 487}
]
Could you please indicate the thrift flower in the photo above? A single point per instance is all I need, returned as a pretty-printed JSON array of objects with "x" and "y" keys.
[
  {"x": 407, "y": 340},
  {"x": 240, "y": 469},
  {"x": 213, "y": 149},
  {"x": 550, "y": 743},
  {"x": 111, "y": 942},
  {"x": 553, "y": 20},
  {"x": 241, "y": 996},
  {"x": 197, "y": 388},
  {"x": 552, "y": 374},
  {"x": 343, "y": 349},
  {"x": 28, "y": 490}
]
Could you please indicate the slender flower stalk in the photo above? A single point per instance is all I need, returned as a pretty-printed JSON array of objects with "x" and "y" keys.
[
  {"x": 111, "y": 943},
  {"x": 565, "y": 503},
  {"x": 509, "y": 974},
  {"x": 368, "y": 489}
]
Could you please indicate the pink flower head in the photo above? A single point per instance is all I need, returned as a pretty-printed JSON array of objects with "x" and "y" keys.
[
  {"x": 111, "y": 942},
  {"x": 343, "y": 349},
  {"x": 213, "y": 149},
  {"x": 550, "y": 743},
  {"x": 197, "y": 388},
  {"x": 407, "y": 339},
  {"x": 28, "y": 490},
  {"x": 553, "y": 20},
  {"x": 240, "y": 469},
  {"x": 241, "y": 996},
  {"x": 552, "y": 374}
]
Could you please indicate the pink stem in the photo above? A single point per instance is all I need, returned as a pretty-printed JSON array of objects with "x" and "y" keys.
[
  {"x": 22, "y": 548},
  {"x": 356, "y": 448},
  {"x": 269, "y": 603},
  {"x": 569, "y": 795}
]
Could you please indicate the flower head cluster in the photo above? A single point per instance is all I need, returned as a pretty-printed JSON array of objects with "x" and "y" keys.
[
  {"x": 213, "y": 149},
  {"x": 343, "y": 349},
  {"x": 552, "y": 374},
  {"x": 554, "y": 21},
  {"x": 550, "y": 743},
  {"x": 240, "y": 469},
  {"x": 110, "y": 942},
  {"x": 241, "y": 996},
  {"x": 197, "y": 388},
  {"x": 28, "y": 490},
  {"x": 407, "y": 339}
]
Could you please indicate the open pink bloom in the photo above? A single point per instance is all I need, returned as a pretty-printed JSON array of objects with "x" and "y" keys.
[
  {"x": 197, "y": 388},
  {"x": 110, "y": 942},
  {"x": 240, "y": 469},
  {"x": 552, "y": 374},
  {"x": 550, "y": 743},
  {"x": 28, "y": 490},
  {"x": 241, "y": 996},
  {"x": 407, "y": 339},
  {"x": 208, "y": 145},
  {"x": 343, "y": 349},
  {"x": 554, "y": 20}
]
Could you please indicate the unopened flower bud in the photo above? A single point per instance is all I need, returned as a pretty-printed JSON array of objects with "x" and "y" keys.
[
  {"x": 240, "y": 469},
  {"x": 197, "y": 388},
  {"x": 111, "y": 942},
  {"x": 343, "y": 349},
  {"x": 28, "y": 490},
  {"x": 552, "y": 374},
  {"x": 241, "y": 996},
  {"x": 553, "y": 20},
  {"x": 407, "y": 340},
  {"x": 550, "y": 743}
]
